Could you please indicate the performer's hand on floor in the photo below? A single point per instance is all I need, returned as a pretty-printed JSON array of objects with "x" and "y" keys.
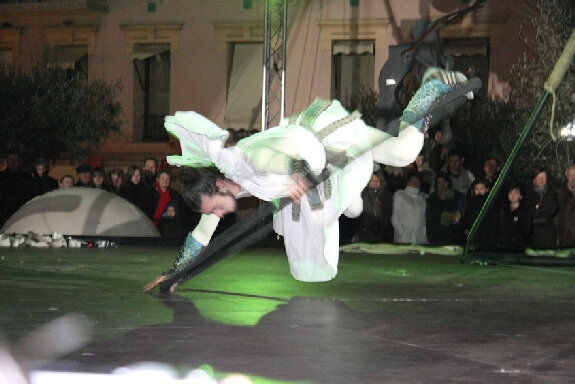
[
  {"x": 173, "y": 287},
  {"x": 151, "y": 285}
]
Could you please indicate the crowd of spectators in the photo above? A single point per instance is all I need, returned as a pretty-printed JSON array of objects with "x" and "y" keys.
[
  {"x": 434, "y": 201},
  {"x": 147, "y": 187}
]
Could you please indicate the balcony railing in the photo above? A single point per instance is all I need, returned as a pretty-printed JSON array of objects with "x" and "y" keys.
[{"x": 53, "y": 5}]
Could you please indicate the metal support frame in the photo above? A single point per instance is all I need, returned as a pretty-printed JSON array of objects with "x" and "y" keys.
[{"x": 274, "y": 66}]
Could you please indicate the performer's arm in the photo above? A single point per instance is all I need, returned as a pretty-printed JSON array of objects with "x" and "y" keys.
[
  {"x": 205, "y": 228},
  {"x": 195, "y": 242},
  {"x": 355, "y": 209}
]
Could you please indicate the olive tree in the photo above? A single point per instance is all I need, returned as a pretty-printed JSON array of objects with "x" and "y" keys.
[{"x": 51, "y": 112}]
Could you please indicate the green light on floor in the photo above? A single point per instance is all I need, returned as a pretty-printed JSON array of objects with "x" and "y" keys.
[
  {"x": 232, "y": 309},
  {"x": 258, "y": 379}
]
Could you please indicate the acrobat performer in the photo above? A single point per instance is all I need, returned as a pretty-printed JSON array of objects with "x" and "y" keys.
[{"x": 270, "y": 165}]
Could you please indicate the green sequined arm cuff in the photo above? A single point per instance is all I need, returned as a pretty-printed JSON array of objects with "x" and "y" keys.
[{"x": 188, "y": 255}]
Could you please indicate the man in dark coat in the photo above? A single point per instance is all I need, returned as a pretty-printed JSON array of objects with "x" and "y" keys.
[
  {"x": 444, "y": 210},
  {"x": 565, "y": 219},
  {"x": 541, "y": 198},
  {"x": 41, "y": 180},
  {"x": 15, "y": 187}
]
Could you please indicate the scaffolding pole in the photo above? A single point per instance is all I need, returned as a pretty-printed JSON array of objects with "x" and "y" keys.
[{"x": 274, "y": 65}]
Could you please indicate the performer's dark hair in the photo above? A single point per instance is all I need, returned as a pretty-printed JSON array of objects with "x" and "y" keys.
[{"x": 197, "y": 182}]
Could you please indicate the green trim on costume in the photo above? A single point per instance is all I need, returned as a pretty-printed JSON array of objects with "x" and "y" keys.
[
  {"x": 309, "y": 116},
  {"x": 331, "y": 128}
]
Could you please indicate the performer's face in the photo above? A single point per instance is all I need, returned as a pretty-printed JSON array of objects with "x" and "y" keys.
[{"x": 219, "y": 204}]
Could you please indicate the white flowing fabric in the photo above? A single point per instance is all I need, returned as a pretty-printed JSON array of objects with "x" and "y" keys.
[{"x": 259, "y": 164}]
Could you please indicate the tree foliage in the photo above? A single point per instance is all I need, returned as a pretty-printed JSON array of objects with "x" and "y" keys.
[
  {"x": 50, "y": 112},
  {"x": 365, "y": 101}
]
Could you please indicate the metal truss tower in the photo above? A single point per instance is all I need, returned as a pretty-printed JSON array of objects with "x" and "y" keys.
[{"x": 274, "y": 68}]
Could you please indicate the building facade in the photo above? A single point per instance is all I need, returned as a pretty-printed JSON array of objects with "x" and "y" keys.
[{"x": 206, "y": 55}]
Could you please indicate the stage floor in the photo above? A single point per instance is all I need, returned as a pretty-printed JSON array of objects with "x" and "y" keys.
[{"x": 384, "y": 319}]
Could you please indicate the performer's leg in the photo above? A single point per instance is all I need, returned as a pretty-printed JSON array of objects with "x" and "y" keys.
[
  {"x": 401, "y": 150},
  {"x": 450, "y": 78},
  {"x": 355, "y": 209},
  {"x": 436, "y": 82}
]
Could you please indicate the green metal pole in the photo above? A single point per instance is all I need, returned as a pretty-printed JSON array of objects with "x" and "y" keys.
[{"x": 503, "y": 174}]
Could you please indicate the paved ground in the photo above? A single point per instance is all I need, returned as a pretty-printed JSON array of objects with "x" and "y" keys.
[{"x": 384, "y": 319}]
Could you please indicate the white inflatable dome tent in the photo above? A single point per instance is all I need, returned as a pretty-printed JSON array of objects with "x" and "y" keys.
[{"x": 80, "y": 212}]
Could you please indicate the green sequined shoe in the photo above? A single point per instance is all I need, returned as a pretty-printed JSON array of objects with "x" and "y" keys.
[{"x": 439, "y": 96}]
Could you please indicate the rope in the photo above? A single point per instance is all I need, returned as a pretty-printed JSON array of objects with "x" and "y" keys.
[{"x": 556, "y": 76}]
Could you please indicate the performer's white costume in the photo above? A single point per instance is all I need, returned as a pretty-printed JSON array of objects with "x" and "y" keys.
[{"x": 260, "y": 165}]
